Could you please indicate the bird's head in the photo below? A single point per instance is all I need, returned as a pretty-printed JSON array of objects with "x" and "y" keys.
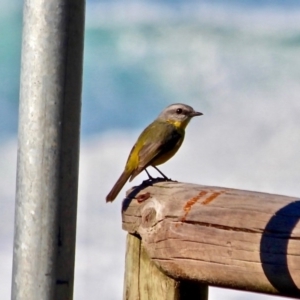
[{"x": 178, "y": 114}]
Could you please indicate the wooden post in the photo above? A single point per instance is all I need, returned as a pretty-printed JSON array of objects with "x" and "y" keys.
[
  {"x": 216, "y": 236},
  {"x": 144, "y": 281}
]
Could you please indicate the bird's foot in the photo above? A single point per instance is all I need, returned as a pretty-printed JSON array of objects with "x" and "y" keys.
[
  {"x": 163, "y": 179},
  {"x": 169, "y": 179}
]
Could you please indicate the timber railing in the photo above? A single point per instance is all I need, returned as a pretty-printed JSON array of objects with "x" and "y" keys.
[{"x": 183, "y": 238}]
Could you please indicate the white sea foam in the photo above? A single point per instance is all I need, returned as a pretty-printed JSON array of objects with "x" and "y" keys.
[{"x": 231, "y": 154}]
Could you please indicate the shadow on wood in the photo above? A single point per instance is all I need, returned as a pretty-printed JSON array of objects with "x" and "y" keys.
[
  {"x": 135, "y": 191},
  {"x": 274, "y": 248},
  {"x": 218, "y": 236}
]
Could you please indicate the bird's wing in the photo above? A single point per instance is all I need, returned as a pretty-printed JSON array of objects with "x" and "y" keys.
[{"x": 163, "y": 139}]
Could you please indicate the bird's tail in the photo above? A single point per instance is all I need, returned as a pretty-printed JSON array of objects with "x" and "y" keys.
[{"x": 118, "y": 186}]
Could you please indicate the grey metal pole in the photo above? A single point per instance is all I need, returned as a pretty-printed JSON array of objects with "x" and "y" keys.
[{"x": 48, "y": 150}]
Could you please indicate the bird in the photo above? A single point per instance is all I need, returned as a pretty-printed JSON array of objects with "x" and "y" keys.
[{"x": 158, "y": 142}]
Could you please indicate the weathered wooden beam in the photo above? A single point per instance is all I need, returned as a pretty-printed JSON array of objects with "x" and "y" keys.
[
  {"x": 219, "y": 236},
  {"x": 144, "y": 281}
]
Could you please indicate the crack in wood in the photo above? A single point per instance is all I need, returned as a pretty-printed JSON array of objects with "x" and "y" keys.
[
  {"x": 174, "y": 258},
  {"x": 224, "y": 227},
  {"x": 274, "y": 233}
]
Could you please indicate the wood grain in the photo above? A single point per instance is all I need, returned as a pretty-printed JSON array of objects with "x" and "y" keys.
[{"x": 219, "y": 236}]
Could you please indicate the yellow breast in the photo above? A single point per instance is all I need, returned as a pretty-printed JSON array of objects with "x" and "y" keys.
[{"x": 181, "y": 125}]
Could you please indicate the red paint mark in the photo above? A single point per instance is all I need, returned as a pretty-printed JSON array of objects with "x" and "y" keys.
[
  {"x": 143, "y": 197},
  {"x": 211, "y": 197},
  {"x": 191, "y": 202}
]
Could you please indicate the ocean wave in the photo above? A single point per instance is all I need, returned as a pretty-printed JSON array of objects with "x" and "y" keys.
[{"x": 267, "y": 15}]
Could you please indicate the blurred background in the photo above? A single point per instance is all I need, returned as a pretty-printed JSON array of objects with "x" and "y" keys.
[{"x": 238, "y": 62}]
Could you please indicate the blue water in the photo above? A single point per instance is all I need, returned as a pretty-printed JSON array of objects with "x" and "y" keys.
[
  {"x": 137, "y": 54},
  {"x": 10, "y": 44}
]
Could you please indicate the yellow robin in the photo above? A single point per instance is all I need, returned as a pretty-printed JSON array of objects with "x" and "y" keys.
[{"x": 156, "y": 144}]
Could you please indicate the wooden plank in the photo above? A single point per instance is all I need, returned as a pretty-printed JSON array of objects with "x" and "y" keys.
[
  {"x": 219, "y": 236},
  {"x": 144, "y": 281},
  {"x": 132, "y": 262}
]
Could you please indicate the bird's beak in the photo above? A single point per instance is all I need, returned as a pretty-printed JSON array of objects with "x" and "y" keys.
[{"x": 196, "y": 113}]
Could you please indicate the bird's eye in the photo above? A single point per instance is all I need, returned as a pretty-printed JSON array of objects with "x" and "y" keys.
[{"x": 179, "y": 111}]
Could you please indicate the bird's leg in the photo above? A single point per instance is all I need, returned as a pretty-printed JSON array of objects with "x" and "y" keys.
[
  {"x": 161, "y": 173},
  {"x": 150, "y": 177}
]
